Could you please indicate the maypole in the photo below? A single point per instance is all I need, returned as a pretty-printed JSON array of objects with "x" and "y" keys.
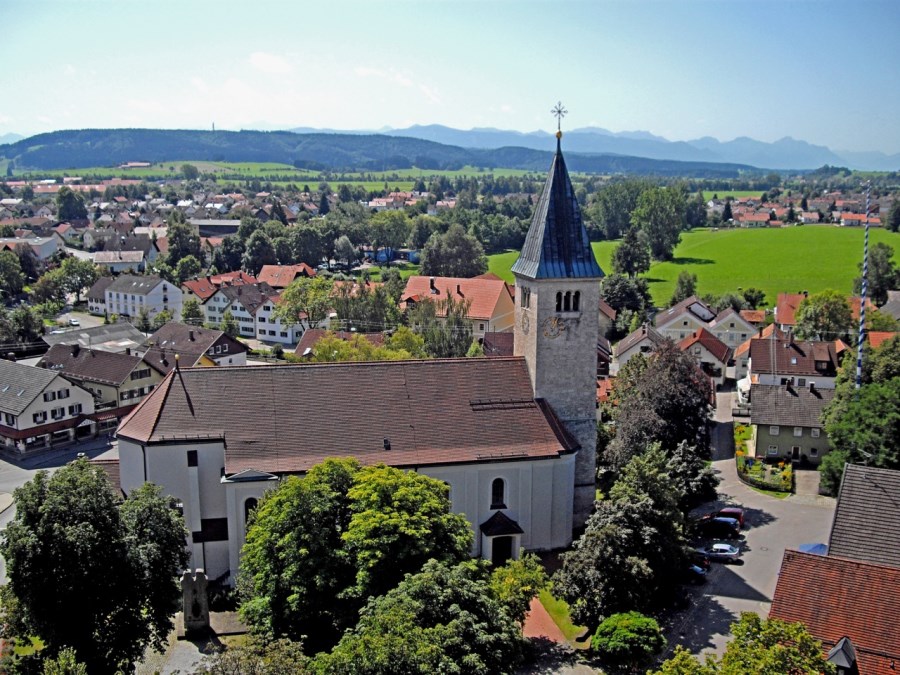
[{"x": 862, "y": 298}]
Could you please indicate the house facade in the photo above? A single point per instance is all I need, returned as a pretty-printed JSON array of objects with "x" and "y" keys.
[
  {"x": 787, "y": 422},
  {"x": 129, "y": 294}
]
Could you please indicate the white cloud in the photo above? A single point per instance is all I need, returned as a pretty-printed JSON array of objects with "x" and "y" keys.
[
  {"x": 270, "y": 63},
  {"x": 430, "y": 93}
]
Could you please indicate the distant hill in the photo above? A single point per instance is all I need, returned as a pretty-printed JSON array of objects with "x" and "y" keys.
[
  {"x": 10, "y": 138},
  {"x": 319, "y": 151},
  {"x": 784, "y": 154}
]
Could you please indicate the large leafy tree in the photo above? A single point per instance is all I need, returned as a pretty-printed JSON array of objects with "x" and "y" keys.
[
  {"x": 389, "y": 229},
  {"x": 183, "y": 240},
  {"x": 632, "y": 256},
  {"x": 632, "y": 548},
  {"x": 191, "y": 312},
  {"x": 763, "y": 646},
  {"x": 445, "y": 619},
  {"x": 824, "y": 316},
  {"x": 11, "y": 277},
  {"x": 259, "y": 251},
  {"x": 660, "y": 213},
  {"x": 612, "y": 205},
  {"x": 883, "y": 274},
  {"x": 320, "y": 545},
  {"x": 90, "y": 572},
  {"x": 444, "y": 325},
  {"x": 228, "y": 256},
  {"x": 685, "y": 287},
  {"x": 453, "y": 254},
  {"x": 893, "y": 217},
  {"x": 70, "y": 204},
  {"x": 310, "y": 297},
  {"x": 78, "y": 274},
  {"x": 403, "y": 345},
  {"x": 366, "y": 307}
]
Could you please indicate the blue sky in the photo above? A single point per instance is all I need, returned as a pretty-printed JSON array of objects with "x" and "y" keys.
[{"x": 825, "y": 71}]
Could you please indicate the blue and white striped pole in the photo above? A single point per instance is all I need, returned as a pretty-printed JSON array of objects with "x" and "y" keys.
[{"x": 862, "y": 298}]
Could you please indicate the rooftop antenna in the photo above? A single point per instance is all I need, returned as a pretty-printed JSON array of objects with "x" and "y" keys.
[{"x": 862, "y": 297}]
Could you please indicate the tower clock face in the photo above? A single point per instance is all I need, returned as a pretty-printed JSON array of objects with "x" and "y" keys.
[{"x": 526, "y": 323}]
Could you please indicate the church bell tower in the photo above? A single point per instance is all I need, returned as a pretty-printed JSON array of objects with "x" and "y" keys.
[{"x": 557, "y": 319}]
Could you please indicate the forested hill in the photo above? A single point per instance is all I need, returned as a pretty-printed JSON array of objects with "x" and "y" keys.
[{"x": 339, "y": 152}]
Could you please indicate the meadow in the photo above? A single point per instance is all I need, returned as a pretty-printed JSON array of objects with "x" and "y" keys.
[{"x": 791, "y": 259}]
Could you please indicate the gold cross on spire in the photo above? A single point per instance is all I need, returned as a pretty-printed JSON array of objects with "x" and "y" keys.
[{"x": 559, "y": 112}]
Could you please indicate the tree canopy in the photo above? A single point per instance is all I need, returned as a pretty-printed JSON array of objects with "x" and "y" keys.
[
  {"x": 306, "y": 297},
  {"x": 320, "y": 545},
  {"x": 90, "y": 572},
  {"x": 444, "y": 325},
  {"x": 824, "y": 316},
  {"x": 883, "y": 274},
  {"x": 660, "y": 213},
  {"x": 70, "y": 204},
  {"x": 453, "y": 254}
]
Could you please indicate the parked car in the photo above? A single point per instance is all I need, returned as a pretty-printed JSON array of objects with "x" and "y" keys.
[
  {"x": 727, "y": 528},
  {"x": 694, "y": 574},
  {"x": 700, "y": 559},
  {"x": 721, "y": 552},
  {"x": 74, "y": 322},
  {"x": 732, "y": 512}
]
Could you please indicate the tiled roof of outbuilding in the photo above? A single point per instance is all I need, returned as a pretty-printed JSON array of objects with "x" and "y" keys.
[
  {"x": 865, "y": 525},
  {"x": 788, "y": 406}
]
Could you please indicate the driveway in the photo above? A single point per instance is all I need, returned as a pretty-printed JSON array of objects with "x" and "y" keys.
[{"x": 771, "y": 526}]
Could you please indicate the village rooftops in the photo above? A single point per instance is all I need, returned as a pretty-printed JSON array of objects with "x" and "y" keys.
[
  {"x": 94, "y": 365},
  {"x": 710, "y": 342},
  {"x": 205, "y": 287},
  {"x": 288, "y": 418},
  {"x": 281, "y": 276},
  {"x": 134, "y": 285},
  {"x": 789, "y": 357},
  {"x": 20, "y": 385}
]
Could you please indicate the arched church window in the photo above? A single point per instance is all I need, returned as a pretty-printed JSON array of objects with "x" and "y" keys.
[
  {"x": 498, "y": 494},
  {"x": 559, "y": 302},
  {"x": 576, "y": 301},
  {"x": 249, "y": 507},
  {"x": 567, "y": 301}
]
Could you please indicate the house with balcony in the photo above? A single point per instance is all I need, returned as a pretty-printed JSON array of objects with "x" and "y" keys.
[
  {"x": 41, "y": 409},
  {"x": 118, "y": 381}
]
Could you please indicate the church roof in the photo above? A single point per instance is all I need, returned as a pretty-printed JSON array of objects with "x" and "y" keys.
[
  {"x": 286, "y": 419},
  {"x": 557, "y": 245}
]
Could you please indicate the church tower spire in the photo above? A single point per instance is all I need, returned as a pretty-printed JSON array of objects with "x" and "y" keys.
[{"x": 557, "y": 319}]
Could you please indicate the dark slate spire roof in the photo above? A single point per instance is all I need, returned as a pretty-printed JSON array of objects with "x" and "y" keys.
[{"x": 557, "y": 245}]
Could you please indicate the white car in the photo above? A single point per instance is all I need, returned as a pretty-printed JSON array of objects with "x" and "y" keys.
[
  {"x": 721, "y": 552},
  {"x": 74, "y": 322}
]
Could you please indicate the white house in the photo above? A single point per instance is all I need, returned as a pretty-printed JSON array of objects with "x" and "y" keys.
[
  {"x": 731, "y": 328},
  {"x": 120, "y": 261},
  {"x": 645, "y": 340},
  {"x": 129, "y": 294},
  {"x": 681, "y": 320},
  {"x": 270, "y": 328},
  {"x": 40, "y": 408}
]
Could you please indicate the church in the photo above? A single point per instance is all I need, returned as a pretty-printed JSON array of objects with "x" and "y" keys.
[{"x": 514, "y": 438}]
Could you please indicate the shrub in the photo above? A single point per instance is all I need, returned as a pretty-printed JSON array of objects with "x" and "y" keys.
[{"x": 628, "y": 638}]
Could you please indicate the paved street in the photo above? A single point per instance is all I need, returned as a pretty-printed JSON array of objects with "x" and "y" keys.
[{"x": 772, "y": 525}]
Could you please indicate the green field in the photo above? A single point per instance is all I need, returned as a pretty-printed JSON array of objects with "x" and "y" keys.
[
  {"x": 791, "y": 259},
  {"x": 708, "y": 194}
]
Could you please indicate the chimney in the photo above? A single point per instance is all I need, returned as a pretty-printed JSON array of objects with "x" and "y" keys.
[
  {"x": 191, "y": 335},
  {"x": 387, "y": 443},
  {"x": 127, "y": 351},
  {"x": 812, "y": 387},
  {"x": 76, "y": 348},
  {"x": 459, "y": 290},
  {"x": 431, "y": 285}
]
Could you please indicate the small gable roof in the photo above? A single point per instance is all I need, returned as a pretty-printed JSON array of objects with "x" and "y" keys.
[
  {"x": 645, "y": 332},
  {"x": 865, "y": 525},
  {"x": 484, "y": 294},
  {"x": 281, "y": 276},
  {"x": 788, "y": 405},
  {"x": 710, "y": 342},
  {"x": 21, "y": 384}
]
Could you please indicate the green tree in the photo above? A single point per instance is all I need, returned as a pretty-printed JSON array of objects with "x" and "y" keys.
[
  {"x": 660, "y": 214},
  {"x": 824, "y": 316},
  {"x": 324, "y": 205},
  {"x": 444, "y": 325},
  {"x": 763, "y": 646},
  {"x": 229, "y": 324},
  {"x": 50, "y": 287},
  {"x": 628, "y": 639},
  {"x": 66, "y": 663},
  {"x": 685, "y": 287},
  {"x": 258, "y": 252},
  {"x": 632, "y": 256},
  {"x": 160, "y": 319},
  {"x": 344, "y": 249},
  {"x": 883, "y": 273},
  {"x": 70, "y": 205},
  {"x": 389, "y": 230},
  {"x": 754, "y": 297},
  {"x": 191, "y": 313},
  {"x": 78, "y": 274},
  {"x": 444, "y": 619},
  {"x": 726, "y": 212},
  {"x": 11, "y": 278},
  {"x": 453, "y": 254},
  {"x": 310, "y": 297},
  {"x": 90, "y": 572},
  {"x": 190, "y": 172},
  {"x": 183, "y": 240},
  {"x": 257, "y": 656},
  {"x": 320, "y": 545},
  {"x": 695, "y": 211},
  {"x": 612, "y": 206},
  {"x": 892, "y": 222},
  {"x": 632, "y": 548},
  {"x": 228, "y": 256},
  {"x": 142, "y": 321},
  {"x": 187, "y": 268},
  {"x": 364, "y": 306},
  {"x": 517, "y": 582}
]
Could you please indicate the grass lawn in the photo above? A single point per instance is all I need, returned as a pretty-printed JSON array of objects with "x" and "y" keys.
[
  {"x": 709, "y": 194},
  {"x": 559, "y": 612},
  {"x": 771, "y": 493},
  {"x": 776, "y": 260}
]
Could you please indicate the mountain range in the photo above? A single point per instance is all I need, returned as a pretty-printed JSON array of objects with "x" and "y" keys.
[{"x": 784, "y": 154}]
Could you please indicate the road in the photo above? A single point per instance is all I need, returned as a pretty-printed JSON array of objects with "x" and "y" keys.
[{"x": 771, "y": 526}]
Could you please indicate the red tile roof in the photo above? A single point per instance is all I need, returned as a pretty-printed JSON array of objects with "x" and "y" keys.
[
  {"x": 484, "y": 293},
  {"x": 286, "y": 419},
  {"x": 753, "y": 315},
  {"x": 789, "y": 303},
  {"x": 205, "y": 287},
  {"x": 710, "y": 342},
  {"x": 313, "y": 335},
  {"x": 877, "y": 337},
  {"x": 281, "y": 276},
  {"x": 837, "y": 597}
]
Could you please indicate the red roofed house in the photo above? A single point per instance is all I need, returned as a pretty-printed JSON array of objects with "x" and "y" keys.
[
  {"x": 788, "y": 304},
  {"x": 514, "y": 438},
  {"x": 711, "y": 354},
  {"x": 281, "y": 276},
  {"x": 491, "y": 308}
]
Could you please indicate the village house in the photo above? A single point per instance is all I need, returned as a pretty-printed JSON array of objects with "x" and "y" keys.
[
  {"x": 119, "y": 261},
  {"x": 243, "y": 301},
  {"x": 177, "y": 344},
  {"x": 118, "y": 382},
  {"x": 120, "y": 337},
  {"x": 280, "y": 277},
  {"x": 788, "y": 304},
  {"x": 490, "y": 299},
  {"x": 710, "y": 353},
  {"x": 681, "y": 320},
  {"x": 788, "y": 361},
  {"x": 128, "y": 295},
  {"x": 645, "y": 340},
  {"x": 787, "y": 422},
  {"x": 42, "y": 247},
  {"x": 41, "y": 409},
  {"x": 514, "y": 437},
  {"x": 272, "y": 328}
]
